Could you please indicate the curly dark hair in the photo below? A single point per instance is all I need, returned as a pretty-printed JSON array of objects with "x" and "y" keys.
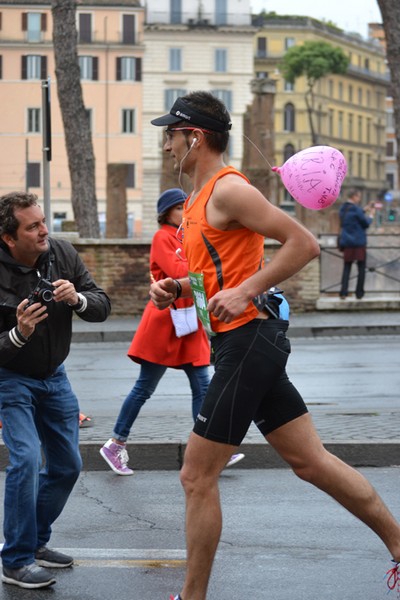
[{"x": 9, "y": 203}]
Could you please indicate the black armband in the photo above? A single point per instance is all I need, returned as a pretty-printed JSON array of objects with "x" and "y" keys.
[{"x": 178, "y": 289}]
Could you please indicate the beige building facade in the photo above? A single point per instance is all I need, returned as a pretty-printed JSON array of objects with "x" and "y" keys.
[
  {"x": 110, "y": 48},
  {"x": 350, "y": 109}
]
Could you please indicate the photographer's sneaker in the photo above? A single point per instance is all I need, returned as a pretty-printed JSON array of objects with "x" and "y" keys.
[
  {"x": 117, "y": 457},
  {"x": 29, "y": 577},
  {"x": 235, "y": 458},
  {"x": 45, "y": 557}
]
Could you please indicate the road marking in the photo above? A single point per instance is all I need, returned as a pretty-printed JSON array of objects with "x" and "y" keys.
[{"x": 126, "y": 558}]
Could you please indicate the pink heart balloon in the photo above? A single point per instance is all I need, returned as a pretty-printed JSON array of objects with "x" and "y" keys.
[{"x": 314, "y": 176}]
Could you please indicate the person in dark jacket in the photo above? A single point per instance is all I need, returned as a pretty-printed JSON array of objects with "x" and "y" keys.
[
  {"x": 354, "y": 223},
  {"x": 43, "y": 282}
]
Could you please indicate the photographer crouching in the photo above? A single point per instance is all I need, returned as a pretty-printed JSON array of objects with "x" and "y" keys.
[{"x": 42, "y": 283}]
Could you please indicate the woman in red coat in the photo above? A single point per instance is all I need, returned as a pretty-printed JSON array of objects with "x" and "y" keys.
[{"x": 155, "y": 344}]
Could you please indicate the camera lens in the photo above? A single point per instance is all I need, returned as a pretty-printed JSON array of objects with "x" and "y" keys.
[{"x": 47, "y": 295}]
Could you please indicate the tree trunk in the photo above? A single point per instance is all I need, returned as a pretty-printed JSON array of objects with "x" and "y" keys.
[
  {"x": 309, "y": 98},
  {"x": 390, "y": 11},
  {"x": 77, "y": 133}
]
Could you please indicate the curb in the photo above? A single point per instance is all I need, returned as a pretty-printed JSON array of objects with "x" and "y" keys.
[
  {"x": 168, "y": 456},
  {"x": 294, "y": 332}
]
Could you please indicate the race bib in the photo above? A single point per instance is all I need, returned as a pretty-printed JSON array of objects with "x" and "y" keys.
[{"x": 200, "y": 300}]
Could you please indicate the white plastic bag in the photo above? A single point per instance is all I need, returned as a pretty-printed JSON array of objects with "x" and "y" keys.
[{"x": 184, "y": 320}]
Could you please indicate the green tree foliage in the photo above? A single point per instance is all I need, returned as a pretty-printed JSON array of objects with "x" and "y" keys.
[{"x": 313, "y": 60}]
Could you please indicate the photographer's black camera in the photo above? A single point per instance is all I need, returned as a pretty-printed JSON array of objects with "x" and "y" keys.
[{"x": 42, "y": 293}]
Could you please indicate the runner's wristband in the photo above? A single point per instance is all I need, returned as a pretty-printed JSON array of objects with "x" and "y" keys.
[{"x": 178, "y": 289}]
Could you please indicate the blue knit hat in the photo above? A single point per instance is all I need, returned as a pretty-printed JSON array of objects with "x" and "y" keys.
[{"x": 170, "y": 198}]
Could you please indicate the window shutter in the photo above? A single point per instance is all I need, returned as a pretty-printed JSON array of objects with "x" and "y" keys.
[
  {"x": 43, "y": 67},
  {"x": 128, "y": 29},
  {"x": 138, "y": 66},
  {"x": 24, "y": 21},
  {"x": 43, "y": 24},
  {"x": 24, "y": 61},
  {"x": 118, "y": 69},
  {"x": 95, "y": 68}
]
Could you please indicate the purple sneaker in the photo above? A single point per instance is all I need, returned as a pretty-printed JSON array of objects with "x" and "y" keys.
[
  {"x": 235, "y": 458},
  {"x": 117, "y": 457}
]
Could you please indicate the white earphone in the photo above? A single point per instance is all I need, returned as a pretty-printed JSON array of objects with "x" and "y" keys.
[{"x": 193, "y": 143}]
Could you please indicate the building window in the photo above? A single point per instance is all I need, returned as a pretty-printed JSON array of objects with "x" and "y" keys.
[
  {"x": 262, "y": 47},
  {"x": 289, "y": 117},
  {"x": 34, "y": 67},
  {"x": 33, "y": 120},
  {"x": 129, "y": 68},
  {"x": 360, "y": 96},
  {"x": 330, "y": 88},
  {"x": 130, "y": 177},
  {"x": 350, "y": 133},
  {"x": 360, "y": 135},
  {"x": 330, "y": 122},
  {"x": 340, "y": 124},
  {"x": 85, "y": 28},
  {"x": 261, "y": 74},
  {"x": 221, "y": 55},
  {"x": 390, "y": 149},
  {"x": 176, "y": 11},
  {"x": 350, "y": 93},
  {"x": 289, "y": 42},
  {"x": 175, "y": 59},
  {"x": 221, "y": 12},
  {"x": 340, "y": 90},
  {"x": 89, "y": 114},
  {"x": 34, "y": 24},
  {"x": 350, "y": 163},
  {"x": 368, "y": 131},
  {"x": 171, "y": 95},
  {"x": 128, "y": 120},
  {"x": 288, "y": 86},
  {"x": 89, "y": 66},
  {"x": 225, "y": 96},
  {"x": 360, "y": 164},
  {"x": 128, "y": 29},
  {"x": 33, "y": 174},
  {"x": 369, "y": 166}
]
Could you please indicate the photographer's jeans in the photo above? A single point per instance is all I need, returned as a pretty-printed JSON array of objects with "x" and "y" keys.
[
  {"x": 37, "y": 415},
  {"x": 149, "y": 378}
]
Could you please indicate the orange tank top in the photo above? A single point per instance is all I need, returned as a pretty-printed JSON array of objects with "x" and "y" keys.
[{"x": 225, "y": 258}]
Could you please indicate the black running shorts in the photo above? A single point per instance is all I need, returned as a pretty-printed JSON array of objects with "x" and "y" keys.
[{"x": 249, "y": 384}]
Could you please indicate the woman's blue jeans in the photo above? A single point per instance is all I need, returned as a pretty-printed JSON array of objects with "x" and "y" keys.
[
  {"x": 149, "y": 377},
  {"x": 38, "y": 415}
]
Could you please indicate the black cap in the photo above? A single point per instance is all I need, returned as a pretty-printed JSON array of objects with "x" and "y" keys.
[{"x": 181, "y": 111}]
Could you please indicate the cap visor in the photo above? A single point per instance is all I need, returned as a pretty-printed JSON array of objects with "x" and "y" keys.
[{"x": 166, "y": 120}]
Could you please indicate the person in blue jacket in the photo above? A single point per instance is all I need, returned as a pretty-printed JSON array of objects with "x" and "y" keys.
[{"x": 354, "y": 222}]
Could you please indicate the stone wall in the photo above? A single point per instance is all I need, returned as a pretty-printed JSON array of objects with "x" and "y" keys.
[{"x": 121, "y": 267}]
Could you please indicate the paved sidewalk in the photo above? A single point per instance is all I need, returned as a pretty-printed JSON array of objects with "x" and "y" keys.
[
  {"x": 315, "y": 324},
  {"x": 361, "y": 437}
]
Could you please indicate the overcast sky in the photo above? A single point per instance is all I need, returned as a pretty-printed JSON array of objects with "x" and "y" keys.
[{"x": 350, "y": 15}]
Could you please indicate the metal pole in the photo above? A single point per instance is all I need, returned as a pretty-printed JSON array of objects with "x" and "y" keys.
[{"x": 46, "y": 137}]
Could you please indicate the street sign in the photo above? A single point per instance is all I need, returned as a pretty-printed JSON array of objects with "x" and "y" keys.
[{"x": 388, "y": 197}]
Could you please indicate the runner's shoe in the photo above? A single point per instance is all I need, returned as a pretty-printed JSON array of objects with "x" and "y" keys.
[
  {"x": 393, "y": 577},
  {"x": 45, "y": 557},
  {"x": 175, "y": 597},
  {"x": 29, "y": 577},
  {"x": 117, "y": 457},
  {"x": 235, "y": 458}
]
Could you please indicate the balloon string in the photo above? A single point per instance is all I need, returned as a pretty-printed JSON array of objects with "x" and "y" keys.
[{"x": 258, "y": 150}]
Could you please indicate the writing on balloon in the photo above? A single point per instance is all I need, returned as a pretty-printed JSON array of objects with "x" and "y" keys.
[{"x": 314, "y": 176}]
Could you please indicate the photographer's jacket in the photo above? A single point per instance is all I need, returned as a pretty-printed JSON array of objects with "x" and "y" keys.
[{"x": 49, "y": 344}]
